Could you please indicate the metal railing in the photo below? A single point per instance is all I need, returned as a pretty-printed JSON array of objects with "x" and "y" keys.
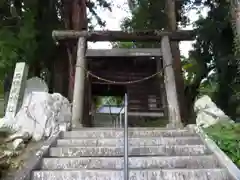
[
  {"x": 126, "y": 173},
  {"x": 119, "y": 123}
]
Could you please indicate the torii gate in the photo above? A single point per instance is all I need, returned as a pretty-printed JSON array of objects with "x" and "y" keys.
[
  {"x": 81, "y": 64},
  {"x": 76, "y": 19}
]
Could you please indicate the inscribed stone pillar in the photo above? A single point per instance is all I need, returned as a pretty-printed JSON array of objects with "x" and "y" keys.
[{"x": 17, "y": 89}]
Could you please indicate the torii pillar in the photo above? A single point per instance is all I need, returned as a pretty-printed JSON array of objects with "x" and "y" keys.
[
  {"x": 79, "y": 85},
  {"x": 78, "y": 21}
]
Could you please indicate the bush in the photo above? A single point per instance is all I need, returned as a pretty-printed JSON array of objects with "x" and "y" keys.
[
  {"x": 1, "y": 90},
  {"x": 227, "y": 137}
]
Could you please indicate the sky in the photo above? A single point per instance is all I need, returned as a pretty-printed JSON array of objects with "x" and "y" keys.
[{"x": 120, "y": 11}]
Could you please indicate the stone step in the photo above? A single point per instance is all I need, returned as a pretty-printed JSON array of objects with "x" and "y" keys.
[
  {"x": 181, "y": 162},
  {"x": 157, "y": 174},
  {"x": 111, "y": 133},
  {"x": 131, "y": 141},
  {"x": 121, "y": 129},
  {"x": 164, "y": 150}
]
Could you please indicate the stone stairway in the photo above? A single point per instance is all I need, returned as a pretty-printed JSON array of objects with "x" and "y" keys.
[{"x": 154, "y": 154}]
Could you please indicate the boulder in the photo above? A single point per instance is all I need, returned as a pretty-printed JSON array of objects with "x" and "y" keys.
[
  {"x": 41, "y": 114},
  {"x": 208, "y": 113}
]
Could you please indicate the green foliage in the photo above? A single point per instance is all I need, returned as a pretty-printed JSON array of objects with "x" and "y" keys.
[
  {"x": 208, "y": 87},
  {"x": 92, "y": 6},
  {"x": 227, "y": 137},
  {"x": 112, "y": 100},
  {"x": 212, "y": 67},
  {"x": 150, "y": 15},
  {"x": 217, "y": 57},
  {"x": 191, "y": 70},
  {"x": 26, "y": 31},
  {"x": 18, "y": 35},
  {"x": 8, "y": 50},
  {"x": 1, "y": 90},
  {"x": 108, "y": 101},
  {"x": 127, "y": 45}
]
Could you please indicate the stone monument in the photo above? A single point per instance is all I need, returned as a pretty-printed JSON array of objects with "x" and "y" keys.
[{"x": 17, "y": 89}]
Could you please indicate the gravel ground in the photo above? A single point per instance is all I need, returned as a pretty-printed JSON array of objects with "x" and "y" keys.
[{"x": 9, "y": 166}]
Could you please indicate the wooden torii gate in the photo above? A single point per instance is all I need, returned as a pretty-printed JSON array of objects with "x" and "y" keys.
[{"x": 81, "y": 64}]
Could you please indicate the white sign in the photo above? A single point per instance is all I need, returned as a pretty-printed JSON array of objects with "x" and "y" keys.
[{"x": 17, "y": 89}]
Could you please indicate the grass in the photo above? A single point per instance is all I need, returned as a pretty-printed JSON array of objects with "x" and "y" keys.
[
  {"x": 1, "y": 89},
  {"x": 227, "y": 137},
  {"x": 1, "y": 99}
]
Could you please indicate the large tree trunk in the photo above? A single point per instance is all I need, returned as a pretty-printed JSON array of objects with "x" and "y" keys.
[
  {"x": 235, "y": 12},
  {"x": 71, "y": 73},
  {"x": 60, "y": 75},
  {"x": 75, "y": 19},
  {"x": 78, "y": 22},
  {"x": 36, "y": 68},
  {"x": 74, "y": 15}
]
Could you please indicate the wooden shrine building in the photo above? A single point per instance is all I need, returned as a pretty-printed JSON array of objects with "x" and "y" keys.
[{"x": 132, "y": 71}]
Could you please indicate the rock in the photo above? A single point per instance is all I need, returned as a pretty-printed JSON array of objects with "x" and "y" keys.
[
  {"x": 7, "y": 125},
  {"x": 64, "y": 126},
  {"x": 9, "y": 153},
  {"x": 208, "y": 113},
  {"x": 35, "y": 84},
  {"x": 25, "y": 136},
  {"x": 18, "y": 144},
  {"x": 40, "y": 115}
]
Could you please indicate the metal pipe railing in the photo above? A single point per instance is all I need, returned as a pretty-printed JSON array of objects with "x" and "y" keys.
[
  {"x": 125, "y": 139},
  {"x": 120, "y": 120}
]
